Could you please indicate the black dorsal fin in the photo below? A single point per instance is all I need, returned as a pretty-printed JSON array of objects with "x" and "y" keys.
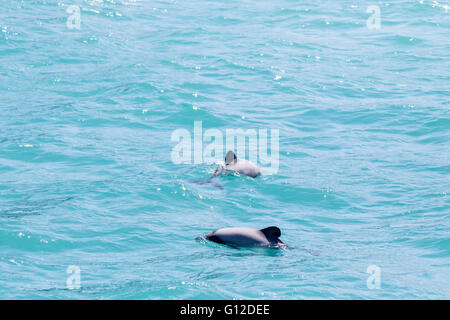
[
  {"x": 272, "y": 233},
  {"x": 230, "y": 157}
]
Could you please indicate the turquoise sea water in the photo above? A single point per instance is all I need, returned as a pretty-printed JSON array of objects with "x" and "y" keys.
[{"x": 87, "y": 179}]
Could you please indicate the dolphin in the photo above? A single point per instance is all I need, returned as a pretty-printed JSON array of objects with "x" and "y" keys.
[
  {"x": 241, "y": 166},
  {"x": 248, "y": 237},
  {"x": 233, "y": 164}
]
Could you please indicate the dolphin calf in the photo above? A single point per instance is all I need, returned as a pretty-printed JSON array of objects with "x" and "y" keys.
[
  {"x": 247, "y": 237},
  {"x": 233, "y": 164}
]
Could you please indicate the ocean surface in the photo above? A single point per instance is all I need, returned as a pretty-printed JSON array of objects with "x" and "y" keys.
[{"x": 93, "y": 206}]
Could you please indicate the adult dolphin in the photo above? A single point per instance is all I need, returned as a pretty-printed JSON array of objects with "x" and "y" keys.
[
  {"x": 233, "y": 164},
  {"x": 248, "y": 237},
  {"x": 241, "y": 166}
]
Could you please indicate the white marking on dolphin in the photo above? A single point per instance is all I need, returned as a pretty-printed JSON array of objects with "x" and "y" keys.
[{"x": 248, "y": 237}]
